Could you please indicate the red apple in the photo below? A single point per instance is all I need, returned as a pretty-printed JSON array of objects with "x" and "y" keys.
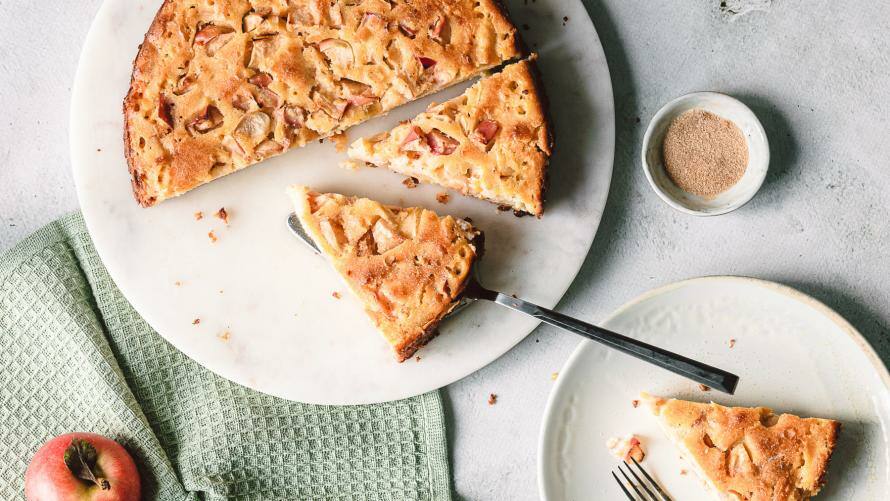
[{"x": 82, "y": 466}]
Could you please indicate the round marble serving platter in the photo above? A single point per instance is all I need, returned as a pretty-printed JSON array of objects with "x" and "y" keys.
[
  {"x": 268, "y": 316},
  {"x": 792, "y": 353}
]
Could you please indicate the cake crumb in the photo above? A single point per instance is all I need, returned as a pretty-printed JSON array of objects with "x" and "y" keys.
[
  {"x": 341, "y": 141},
  {"x": 492, "y": 399},
  {"x": 683, "y": 472},
  {"x": 351, "y": 164},
  {"x": 336, "y": 295},
  {"x": 554, "y": 376},
  {"x": 196, "y": 321},
  {"x": 635, "y": 403},
  {"x": 704, "y": 387},
  {"x": 731, "y": 343},
  {"x": 625, "y": 448},
  {"x": 220, "y": 291},
  {"x": 225, "y": 335},
  {"x": 199, "y": 215},
  {"x": 410, "y": 182},
  {"x": 222, "y": 214},
  {"x": 565, "y": 19},
  {"x": 417, "y": 358},
  {"x": 177, "y": 283},
  {"x": 442, "y": 198},
  {"x": 504, "y": 208},
  {"x": 212, "y": 236}
]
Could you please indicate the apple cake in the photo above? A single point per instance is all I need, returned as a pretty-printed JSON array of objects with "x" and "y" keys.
[
  {"x": 408, "y": 266},
  {"x": 749, "y": 453},
  {"x": 492, "y": 142},
  {"x": 218, "y": 85}
]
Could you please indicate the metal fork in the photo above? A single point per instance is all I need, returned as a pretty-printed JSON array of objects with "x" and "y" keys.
[
  {"x": 692, "y": 369},
  {"x": 644, "y": 492}
]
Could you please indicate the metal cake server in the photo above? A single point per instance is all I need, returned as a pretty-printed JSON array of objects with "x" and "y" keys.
[{"x": 699, "y": 372}]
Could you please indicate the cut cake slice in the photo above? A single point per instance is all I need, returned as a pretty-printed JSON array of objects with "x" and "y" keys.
[
  {"x": 219, "y": 85},
  {"x": 749, "y": 453},
  {"x": 492, "y": 142},
  {"x": 408, "y": 266}
]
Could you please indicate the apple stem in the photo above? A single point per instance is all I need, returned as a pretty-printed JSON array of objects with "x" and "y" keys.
[{"x": 81, "y": 458}]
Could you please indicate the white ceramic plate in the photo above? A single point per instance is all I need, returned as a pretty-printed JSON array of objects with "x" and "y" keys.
[
  {"x": 287, "y": 335},
  {"x": 792, "y": 353}
]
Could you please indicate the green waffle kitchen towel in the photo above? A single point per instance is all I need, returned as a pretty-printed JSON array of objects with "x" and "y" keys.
[{"x": 75, "y": 356}]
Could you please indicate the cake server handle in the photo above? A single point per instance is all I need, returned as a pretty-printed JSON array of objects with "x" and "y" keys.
[{"x": 678, "y": 364}]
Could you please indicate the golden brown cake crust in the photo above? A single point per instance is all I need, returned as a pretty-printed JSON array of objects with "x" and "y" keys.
[
  {"x": 220, "y": 85},
  {"x": 751, "y": 454},
  {"x": 408, "y": 266},
  {"x": 492, "y": 142}
]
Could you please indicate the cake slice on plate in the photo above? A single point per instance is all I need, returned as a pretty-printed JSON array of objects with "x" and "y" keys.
[
  {"x": 219, "y": 85},
  {"x": 492, "y": 142},
  {"x": 749, "y": 453},
  {"x": 408, "y": 266}
]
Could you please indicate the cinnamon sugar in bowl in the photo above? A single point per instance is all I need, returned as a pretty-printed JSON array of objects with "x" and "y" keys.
[{"x": 705, "y": 154}]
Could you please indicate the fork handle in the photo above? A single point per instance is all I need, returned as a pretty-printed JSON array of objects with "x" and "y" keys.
[{"x": 678, "y": 364}]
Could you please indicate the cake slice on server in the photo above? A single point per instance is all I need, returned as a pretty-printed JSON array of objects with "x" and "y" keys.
[
  {"x": 749, "y": 453},
  {"x": 408, "y": 266},
  {"x": 219, "y": 85},
  {"x": 492, "y": 142}
]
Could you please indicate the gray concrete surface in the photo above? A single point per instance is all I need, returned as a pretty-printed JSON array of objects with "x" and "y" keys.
[{"x": 817, "y": 73}]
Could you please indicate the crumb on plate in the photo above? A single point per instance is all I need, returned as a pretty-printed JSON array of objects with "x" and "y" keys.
[
  {"x": 635, "y": 403},
  {"x": 222, "y": 214},
  {"x": 196, "y": 321},
  {"x": 626, "y": 447},
  {"x": 443, "y": 197},
  {"x": 410, "y": 182},
  {"x": 703, "y": 387},
  {"x": 492, "y": 399},
  {"x": 732, "y": 343},
  {"x": 225, "y": 335},
  {"x": 212, "y": 236},
  {"x": 199, "y": 215},
  {"x": 351, "y": 164},
  {"x": 336, "y": 295},
  {"x": 341, "y": 141},
  {"x": 554, "y": 376}
]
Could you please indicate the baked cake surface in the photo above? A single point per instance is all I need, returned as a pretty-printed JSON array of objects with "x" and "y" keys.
[
  {"x": 749, "y": 453},
  {"x": 492, "y": 142},
  {"x": 219, "y": 85},
  {"x": 408, "y": 266}
]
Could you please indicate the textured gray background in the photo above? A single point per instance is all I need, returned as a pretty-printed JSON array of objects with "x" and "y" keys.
[{"x": 817, "y": 73}]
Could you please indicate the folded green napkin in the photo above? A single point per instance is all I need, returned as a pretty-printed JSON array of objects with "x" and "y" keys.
[{"x": 75, "y": 356}]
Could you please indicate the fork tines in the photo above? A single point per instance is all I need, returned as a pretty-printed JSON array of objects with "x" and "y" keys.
[{"x": 647, "y": 490}]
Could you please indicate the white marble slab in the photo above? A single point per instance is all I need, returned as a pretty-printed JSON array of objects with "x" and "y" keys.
[{"x": 267, "y": 316}]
